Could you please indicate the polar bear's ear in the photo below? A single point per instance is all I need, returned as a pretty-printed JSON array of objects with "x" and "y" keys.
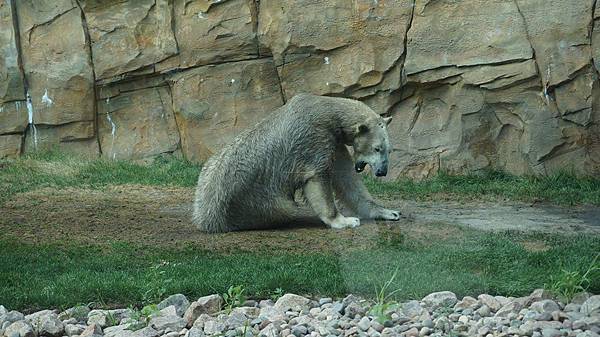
[{"x": 387, "y": 120}]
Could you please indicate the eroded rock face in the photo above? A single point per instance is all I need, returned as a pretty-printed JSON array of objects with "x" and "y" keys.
[
  {"x": 11, "y": 78},
  {"x": 10, "y": 146},
  {"x": 128, "y": 35},
  {"x": 471, "y": 84},
  {"x": 335, "y": 47},
  {"x": 464, "y": 33},
  {"x": 213, "y": 32},
  {"x": 560, "y": 52},
  {"x": 58, "y": 70},
  {"x": 137, "y": 124},
  {"x": 77, "y": 138},
  {"x": 214, "y": 103}
]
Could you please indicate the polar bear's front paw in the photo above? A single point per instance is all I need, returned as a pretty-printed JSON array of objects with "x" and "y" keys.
[
  {"x": 387, "y": 214},
  {"x": 344, "y": 222}
]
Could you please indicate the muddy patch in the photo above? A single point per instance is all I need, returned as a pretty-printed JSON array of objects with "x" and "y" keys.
[{"x": 161, "y": 216}]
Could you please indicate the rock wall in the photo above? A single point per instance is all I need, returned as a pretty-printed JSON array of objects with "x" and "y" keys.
[{"x": 471, "y": 84}]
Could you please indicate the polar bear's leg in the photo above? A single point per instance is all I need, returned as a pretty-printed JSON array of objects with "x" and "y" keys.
[
  {"x": 319, "y": 194},
  {"x": 351, "y": 190}
]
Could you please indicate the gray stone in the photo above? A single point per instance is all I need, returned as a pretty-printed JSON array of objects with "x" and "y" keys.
[
  {"x": 92, "y": 330},
  {"x": 80, "y": 313},
  {"x": 204, "y": 305},
  {"x": 353, "y": 309},
  {"x": 492, "y": 303},
  {"x": 19, "y": 329},
  {"x": 551, "y": 333},
  {"x": 46, "y": 323},
  {"x": 544, "y": 306},
  {"x": 213, "y": 327},
  {"x": 118, "y": 331},
  {"x": 292, "y": 302},
  {"x": 11, "y": 317},
  {"x": 195, "y": 332},
  {"x": 440, "y": 299},
  {"x": 512, "y": 307},
  {"x": 465, "y": 303},
  {"x": 167, "y": 320},
  {"x": 484, "y": 311},
  {"x": 591, "y": 306},
  {"x": 74, "y": 329},
  {"x": 364, "y": 324},
  {"x": 150, "y": 332},
  {"x": 325, "y": 300},
  {"x": 412, "y": 309},
  {"x": 180, "y": 302}
]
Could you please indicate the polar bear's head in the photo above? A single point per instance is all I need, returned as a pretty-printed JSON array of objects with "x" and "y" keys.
[{"x": 372, "y": 145}]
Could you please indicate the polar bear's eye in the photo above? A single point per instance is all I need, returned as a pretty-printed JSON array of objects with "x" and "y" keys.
[{"x": 377, "y": 149}]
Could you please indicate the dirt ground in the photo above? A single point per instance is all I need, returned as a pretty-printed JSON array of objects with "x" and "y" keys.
[{"x": 161, "y": 216}]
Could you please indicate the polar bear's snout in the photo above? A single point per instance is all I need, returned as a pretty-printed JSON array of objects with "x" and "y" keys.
[{"x": 381, "y": 172}]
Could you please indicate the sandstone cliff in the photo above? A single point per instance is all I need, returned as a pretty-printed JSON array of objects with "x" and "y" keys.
[{"x": 471, "y": 84}]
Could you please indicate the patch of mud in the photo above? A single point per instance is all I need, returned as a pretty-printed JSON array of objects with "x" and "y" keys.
[
  {"x": 161, "y": 216},
  {"x": 508, "y": 216}
]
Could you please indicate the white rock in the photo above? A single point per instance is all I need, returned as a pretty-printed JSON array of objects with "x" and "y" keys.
[
  {"x": 490, "y": 301},
  {"x": 591, "y": 306},
  {"x": 180, "y": 302},
  {"x": 292, "y": 302},
  {"x": 544, "y": 306},
  {"x": 440, "y": 299},
  {"x": 20, "y": 329}
]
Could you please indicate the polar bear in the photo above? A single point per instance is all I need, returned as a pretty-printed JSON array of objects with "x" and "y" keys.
[{"x": 302, "y": 148}]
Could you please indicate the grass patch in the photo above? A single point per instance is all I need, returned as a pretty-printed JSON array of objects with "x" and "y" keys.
[
  {"x": 122, "y": 274},
  {"x": 55, "y": 169},
  {"x": 561, "y": 188}
]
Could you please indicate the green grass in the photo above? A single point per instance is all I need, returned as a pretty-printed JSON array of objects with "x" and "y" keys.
[
  {"x": 54, "y": 169},
  {"x": 122, "y": 274},
  {"x": 561, "y": 188},
  {"x": 35, "y": 276},
  {"x": 60, "y": 170}
]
